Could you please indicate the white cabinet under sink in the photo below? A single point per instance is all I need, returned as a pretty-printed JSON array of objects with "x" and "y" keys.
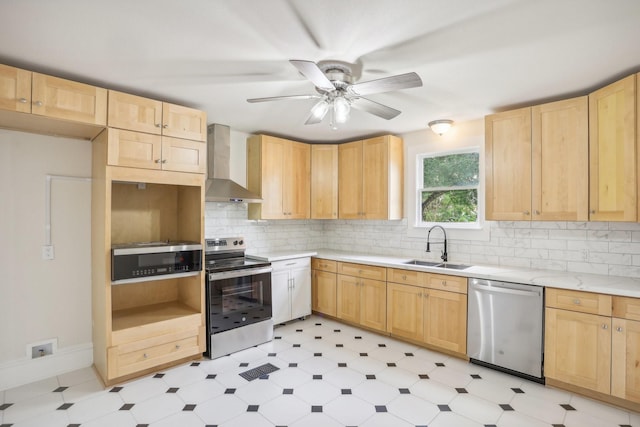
[{"x": 291, "y": 289}]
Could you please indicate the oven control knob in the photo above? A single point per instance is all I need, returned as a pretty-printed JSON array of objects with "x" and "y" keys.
[
  {"x": 235, "y": 243},
  {"x": 244, "y": 319},
  {"x": 241, "y": 242}
]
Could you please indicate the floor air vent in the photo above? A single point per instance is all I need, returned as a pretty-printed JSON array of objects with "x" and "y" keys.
[{"x": 254, "y": 373}]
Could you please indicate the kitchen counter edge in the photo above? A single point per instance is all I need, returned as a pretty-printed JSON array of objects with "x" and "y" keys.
[{"x": 610, "y": 285}]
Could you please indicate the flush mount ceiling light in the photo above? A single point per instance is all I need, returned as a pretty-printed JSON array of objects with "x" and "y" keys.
[{"x": 440, "y": 126}]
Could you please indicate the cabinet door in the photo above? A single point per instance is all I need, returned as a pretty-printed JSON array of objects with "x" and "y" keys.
[
  {"x": 350, "y": 182},
  {"x": 373, "y": 304},
  {"x": 324, "y": 292},
  {"x": 578, "y": 349},
  {"x": 184, "y": 122},
  {"x": 324, "y": 181},
  {"x": 183, "y": 155},
  {"x": 280, "y": 298},
  {"x": 625, "y": 371},
  {"x": 273, "y": 176},
  {"x": 348, "y": 298},
  {"x": 405, "y": 311},
  {"x": 15, "y": 89},
  {"x": 375, "y": 172},
  {"x": 134, "y": 149},
  {"x": 300, "y": 292},
  {"x": 446, "y": 320},
  {"x": 296, "y": 192},
  {"x": 612, "y": 152},
  {"x": 560, "y": 160},
  {"x": 68, "y": 100},
  {"x": 508, "y": 165},
  {"x": 136, "y": 113}
]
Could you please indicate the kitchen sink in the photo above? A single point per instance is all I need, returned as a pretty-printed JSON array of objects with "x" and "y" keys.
[{"x": 438, "y": 264}]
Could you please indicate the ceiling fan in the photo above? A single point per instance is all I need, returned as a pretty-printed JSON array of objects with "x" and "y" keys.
[{"x": 335, "y": 82}]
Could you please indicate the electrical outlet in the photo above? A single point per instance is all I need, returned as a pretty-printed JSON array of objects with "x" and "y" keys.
[
  {"x": 41, "y": 350},
  {"x": 47, "y": 252}
]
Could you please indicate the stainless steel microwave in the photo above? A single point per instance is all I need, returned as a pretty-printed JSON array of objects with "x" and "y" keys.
[{"x": 137, "y": 262}]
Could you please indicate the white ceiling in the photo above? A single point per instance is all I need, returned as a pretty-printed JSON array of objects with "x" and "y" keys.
[{"x": 474, "y": 56}]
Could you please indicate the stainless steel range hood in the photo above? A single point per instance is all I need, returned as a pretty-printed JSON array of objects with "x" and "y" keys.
[{"x": 219, "y": 186}]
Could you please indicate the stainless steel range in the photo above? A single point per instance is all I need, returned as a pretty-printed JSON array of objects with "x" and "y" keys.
[{"x": 238, "y": 298}]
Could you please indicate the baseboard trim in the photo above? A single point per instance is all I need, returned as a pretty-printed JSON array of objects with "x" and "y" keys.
[{"x": 24, "y": 371}]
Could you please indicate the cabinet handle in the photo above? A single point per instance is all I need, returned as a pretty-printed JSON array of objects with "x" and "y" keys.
[
  {"x": 444, "y": 283},
  {"x": 619, "y": 329},
  {"x": 38, "y": 103},
  {"x": 605, "y": 326},
  {"x": 145, "y": 355},
  {"x": 165, "y": 126},
  {"x": 157, "y": 125},
  {"x": 536, "y": 212},
  {"x": 404, "y": 277},
  {"x": 526, "y": 212},
  {"x": 592, "y": 211},
  {"x": 177, "y": 346},
  {"x": 164, "y": 161},
  {"x": 576, "y": 301},
  {"x": 157, "y": 160},
  {"x": 22, "y": 100}
]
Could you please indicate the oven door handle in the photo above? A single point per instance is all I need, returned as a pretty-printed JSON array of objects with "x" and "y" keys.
[{"x": 238, "y": 273}]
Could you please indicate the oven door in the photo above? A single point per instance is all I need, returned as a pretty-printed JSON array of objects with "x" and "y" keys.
[{"x": 238, "y": 298}]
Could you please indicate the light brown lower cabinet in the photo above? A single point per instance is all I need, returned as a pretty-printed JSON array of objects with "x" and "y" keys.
[
  {"x": 362, "y": 300},
  {"x": 323, "y": 286},
  {"x": 438, "y": 318},
  {"x": 592, "y": 341}
]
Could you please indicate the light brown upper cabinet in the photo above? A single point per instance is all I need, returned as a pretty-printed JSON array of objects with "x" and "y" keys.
[
  {"x": 278, "y": 170},
  {"x": 64, "y": 99},
  {"x": 537, "y": 162},
  {"x": 15, "y": 89},
  {"x": 147, "y": 151},
  {"x": 324, "y": 181},
  {"x": 371, "y": 179},
  {"x": 612, "y": 153},
  {"x": 44, "y": 104},
  {"x": 140, "y": 114}
]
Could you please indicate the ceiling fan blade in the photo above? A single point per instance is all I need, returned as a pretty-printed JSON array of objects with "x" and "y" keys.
[
  {"x": 375, "y": 108},
  {"x": 314, "y": 74},
  {"x": 282, "y": 98},
  {"x": 386, "y": 84}
]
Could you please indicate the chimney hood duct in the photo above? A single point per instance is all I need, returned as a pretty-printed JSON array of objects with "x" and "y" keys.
[{"x": 219, "y": 188}]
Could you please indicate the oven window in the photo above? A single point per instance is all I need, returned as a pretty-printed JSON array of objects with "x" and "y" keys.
[{"x": 238, "y": 301}]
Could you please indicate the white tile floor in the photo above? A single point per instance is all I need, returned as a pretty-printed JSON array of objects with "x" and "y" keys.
[{"x": 329, "y": 374}]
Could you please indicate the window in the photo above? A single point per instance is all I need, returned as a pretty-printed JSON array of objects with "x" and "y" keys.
[{"x": 448, "y": 188}]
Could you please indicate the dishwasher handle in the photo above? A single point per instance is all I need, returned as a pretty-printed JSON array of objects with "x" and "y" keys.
[{"x": 504, "y": 290}]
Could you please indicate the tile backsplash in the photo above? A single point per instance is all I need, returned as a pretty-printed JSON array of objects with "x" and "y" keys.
[{"x": 606, "y": 248}]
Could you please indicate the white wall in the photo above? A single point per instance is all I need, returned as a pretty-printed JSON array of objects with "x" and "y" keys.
[{"x": 41, "y": 300}]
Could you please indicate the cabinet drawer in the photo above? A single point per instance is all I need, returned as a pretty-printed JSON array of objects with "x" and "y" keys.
[
  {"x": 407, "y": 277},
  {"x": 324, "y": 265},
  {"x": 626, "y": 308},
  {"x": 583, "y": 302},
  {"x": 447, "y": 283},
  {"x": 134, "y": 357},
  {"x": 291, "y": 264},
  {"x": 361, "y": 270}
]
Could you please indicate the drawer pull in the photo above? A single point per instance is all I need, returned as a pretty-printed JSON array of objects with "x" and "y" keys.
[
  {"x": 619, "y": 329},
  {"x": 404, "y": 277},
  {"x": 145, "y": 355},
  {"x": 38, "y": 103},
  {"x": 22, "y": 100},
  {"x": 605, "y": 326},
  {"x": 576, "y": 301},
  {"x": 177, "y": 346},
  {"x": 444, "y": 283}
]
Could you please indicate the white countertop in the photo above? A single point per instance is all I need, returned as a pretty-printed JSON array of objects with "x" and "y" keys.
[
  {"x": 612, "y": 285},
  {"x": 274, "y": 256}
]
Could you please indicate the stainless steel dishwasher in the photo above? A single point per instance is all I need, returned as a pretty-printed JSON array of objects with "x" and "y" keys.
[{"x": 505, "y": 327}]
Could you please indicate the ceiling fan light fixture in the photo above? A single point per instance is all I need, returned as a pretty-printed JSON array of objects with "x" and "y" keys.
[
  {"x": 341, "y": 109},
  {"x": 320, "y": 109},
  {"x": 441, "y": 126}
]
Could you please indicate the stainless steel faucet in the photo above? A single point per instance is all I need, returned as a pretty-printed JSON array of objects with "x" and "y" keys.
[{"x": 444, "y": 243}]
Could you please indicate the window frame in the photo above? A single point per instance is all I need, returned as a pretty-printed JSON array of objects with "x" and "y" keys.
[{"x": 418, "y": 189}]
